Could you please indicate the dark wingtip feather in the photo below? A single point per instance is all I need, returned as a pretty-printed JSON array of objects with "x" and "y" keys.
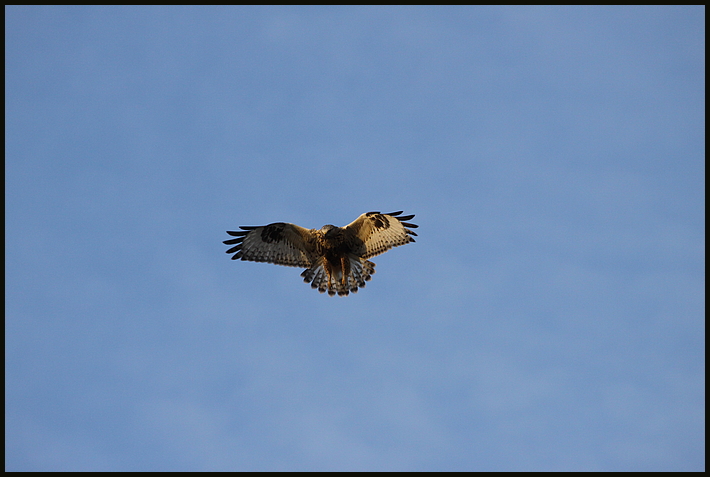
[
  {"x": 233, "y": 241},
  {"x": 238, "y": 248}
]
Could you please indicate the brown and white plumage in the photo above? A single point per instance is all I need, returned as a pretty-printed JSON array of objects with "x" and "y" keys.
[{"x": 335, "y": 258}]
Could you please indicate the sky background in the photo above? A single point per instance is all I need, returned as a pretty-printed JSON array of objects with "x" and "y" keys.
[{"x": 550, "y": 315}]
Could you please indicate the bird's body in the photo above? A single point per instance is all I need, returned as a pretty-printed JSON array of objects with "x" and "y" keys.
[{"x": 335, "y": 258}]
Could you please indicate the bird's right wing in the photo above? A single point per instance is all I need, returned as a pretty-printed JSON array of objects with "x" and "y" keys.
[{"x": 374, "y": 233}]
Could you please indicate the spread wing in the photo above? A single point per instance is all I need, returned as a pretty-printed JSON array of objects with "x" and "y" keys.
[
  {"x": 279, "y": 243},
  {"x": 375, "y": 233}
]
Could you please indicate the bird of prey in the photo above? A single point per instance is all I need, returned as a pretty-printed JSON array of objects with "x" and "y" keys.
[{"x": 335, "y": 258}]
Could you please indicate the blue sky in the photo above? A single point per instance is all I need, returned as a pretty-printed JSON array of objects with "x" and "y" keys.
[{"x": 550, "y": 315}]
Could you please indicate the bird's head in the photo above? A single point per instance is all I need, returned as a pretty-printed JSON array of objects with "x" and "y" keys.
[{"x": 327, "y": 228}]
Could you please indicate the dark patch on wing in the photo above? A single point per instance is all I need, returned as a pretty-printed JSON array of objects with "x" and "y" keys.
[
  {"x": 273, "y": 232},
  {"x": 378, "y": 220}
]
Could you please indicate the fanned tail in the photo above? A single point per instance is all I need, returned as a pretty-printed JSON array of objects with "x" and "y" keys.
[{"x": 327, "y": 278}]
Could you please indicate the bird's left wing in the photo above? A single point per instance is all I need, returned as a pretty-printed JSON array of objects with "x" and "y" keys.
[
  {"x": 279, "y": 243},
  {"x": 375, "y": 233}
]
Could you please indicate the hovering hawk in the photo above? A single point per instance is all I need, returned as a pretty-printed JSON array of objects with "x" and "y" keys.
[{"x": 335, "y": 257}]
